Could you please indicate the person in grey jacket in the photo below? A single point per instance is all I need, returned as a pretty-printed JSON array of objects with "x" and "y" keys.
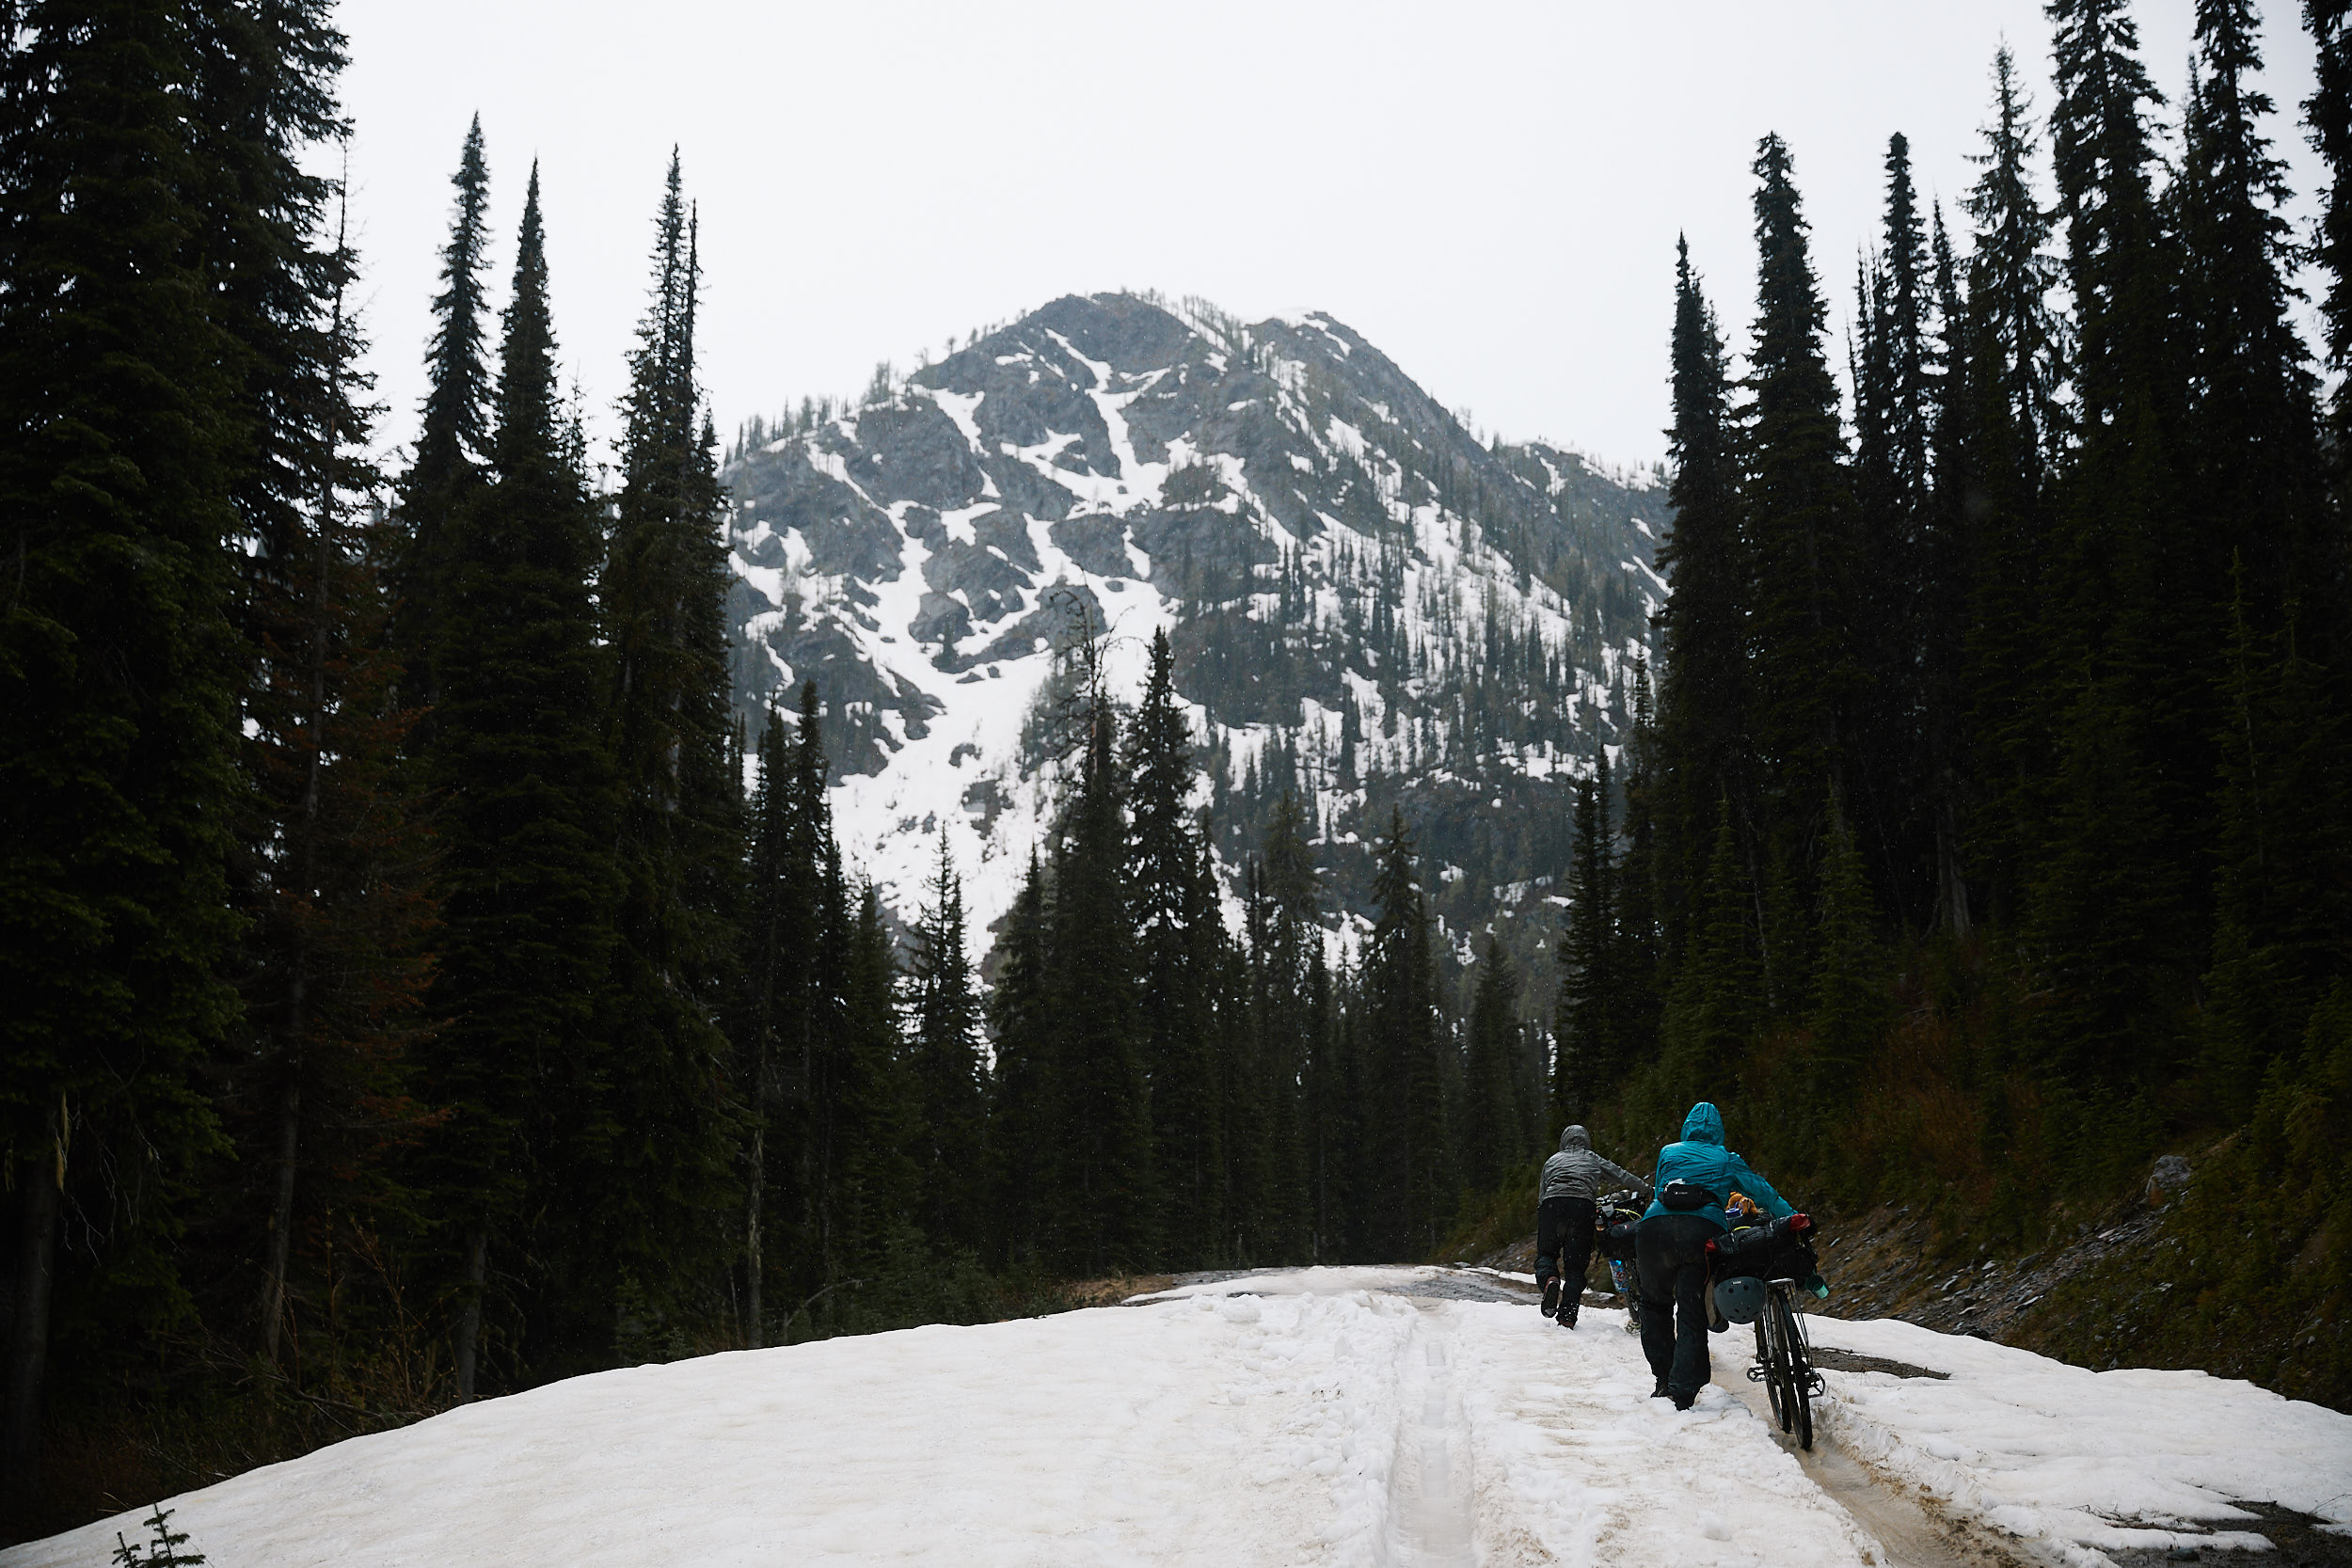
[{"x": 1573, "y": 1178}]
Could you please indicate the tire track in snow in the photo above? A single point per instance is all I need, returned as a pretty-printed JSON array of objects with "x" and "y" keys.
[{"x": 1429, "y": 1482}]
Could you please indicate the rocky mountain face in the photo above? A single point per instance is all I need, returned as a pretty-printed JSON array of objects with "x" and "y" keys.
[{"x": 1370, "y": 608}]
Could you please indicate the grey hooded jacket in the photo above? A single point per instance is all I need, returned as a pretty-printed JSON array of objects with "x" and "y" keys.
[{"x": 1576, "y": 1171}]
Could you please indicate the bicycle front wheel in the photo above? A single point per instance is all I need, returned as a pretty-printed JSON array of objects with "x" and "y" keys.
[{"x": 1797, "y": 1368}]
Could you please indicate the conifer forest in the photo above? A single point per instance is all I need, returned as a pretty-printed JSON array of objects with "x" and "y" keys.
[{"x": 427, "y": 971}]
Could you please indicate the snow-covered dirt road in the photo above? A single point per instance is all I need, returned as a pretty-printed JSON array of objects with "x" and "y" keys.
[{"x": 1379, "y": 1416}]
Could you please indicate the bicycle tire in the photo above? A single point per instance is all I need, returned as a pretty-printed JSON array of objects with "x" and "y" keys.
[
  {"x": 1777, "y": 1387},
  {"x": 1799, "y": 1369}
]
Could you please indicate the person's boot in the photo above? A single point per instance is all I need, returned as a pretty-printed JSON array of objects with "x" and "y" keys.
[
  {"x": 1660, "y": 1392},
  {"x": 1551, "y": 1294},
  {"x": 1567, "y": 1314}
]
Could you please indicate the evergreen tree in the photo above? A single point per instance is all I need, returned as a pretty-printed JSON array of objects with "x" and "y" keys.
[
  {"x": 1639, "y": 952},
  {"x": 1286, "y": 938},
  {"x": 1894, "y": 416},
  {"x": 452, "y": 438},
  {"x": 1492, "y": 1137},
  {"x": 2284, "y": 863},
  {"x": 1173, "y": 963},
  {"x": 771, "y": 893},
  {"x": 1024, "y": 1162},
  {"x": 2253, "y": 427},
  {"x": 1592, "y": 1053},
  {"x": 1996, "y": 495},
  {"x": 1108, "y": 1195},
  {"x": 2112, "y": 904},
  {"x": 119, "y": 668},
  {"x": 527, "y": 833},
  {"x": 949, "y": 1079},
  {"x": 1711, "y": 1014},
  {"x": 1702, "y": 628},
  {"x": 1848, "y": 1002},
  {"x": 2328, "y": 114},
  {"x": 663, "y": 594},
  {"x": 1412, "y": 1189},
  {"x": 1799, "y": 517},
  {"x": 336, "y": 955}
]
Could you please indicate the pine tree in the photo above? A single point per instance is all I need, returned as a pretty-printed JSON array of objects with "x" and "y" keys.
[
  {"x": 1639, "y": 950},
  {"x": 1173, "y": 963},
  {"x": 1492, "y": 1140},
  {"x": 2112, "y": 903},
  {"x": 944, "y": 1055},
  {"x": 1847, "y": 1001},
  {"x": 1024, "y": 1162},
  {"x": 2284, "y": 861},
  {"x": 2008, "y": 373},
  {"x": 1894, "y": 416},
  {"x": 452, "y": 437},
  {"x": 663, "y": 594},
  {"x": 770, "y": 896},
  {"x": 528, "y": 830},
  {"x": 336, "y": 955},
  {"x": 2253, "y": 429},
  {"x": 1107, "y": 1193},
  {"x": 1799, "y": 518},
  {"x": 1285, "y": 959},
  {"x": 1713, "y": 1014},
  {"x": 1592, "y": 1052},
  {"x": 119, "y": 664},
  {"x": 1702, "y": 629},
  {"x": 2328, "y": 114},
  {"x": 1413, "y": 1187}
]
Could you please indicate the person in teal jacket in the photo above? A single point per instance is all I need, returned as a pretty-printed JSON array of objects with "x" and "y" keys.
[{"x": 1691, "y": 1181}]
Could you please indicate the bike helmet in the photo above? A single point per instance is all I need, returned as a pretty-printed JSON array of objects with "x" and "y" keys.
[{"x": 1740, "y": 1300}]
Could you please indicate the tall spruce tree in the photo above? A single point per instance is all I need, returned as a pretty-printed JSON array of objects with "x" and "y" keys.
[
  {"x": 1023, "y": 1161},
  {"x": 120, "y": 663},
  {"x": 2114, "y": 906},
  {"x": 1285, "y": 938},
  {"x": 336, "y": 952},
  {"x": 453, "y": 436},
  {"x": 1413, "y": 1183},
  {"x": 2008, "y": 372},
  {"x": 663, "y": 594},
  {"x": 1592, "y": 1053},
  {"x": 1799, "y": 521},
  {"x": 527, "y": 832},
  {"x": 1107, "y": 1207},
  {"x": 2253, "y": 426},
  {"x": 1493, "y": 1139},
  {"x": 1702, "y": 628},
  {"x": 1895, "y": 410},
  {"x": 1174, "y": 962},
  {"x": 1712, "y": 1013},
  {"x": 944, "y": 1055}
]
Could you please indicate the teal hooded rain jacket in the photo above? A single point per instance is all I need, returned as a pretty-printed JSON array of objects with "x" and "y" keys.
[{"x": 1701, "y": 1160}]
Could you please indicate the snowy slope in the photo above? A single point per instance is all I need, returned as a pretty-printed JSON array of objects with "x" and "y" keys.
[
  {"x": 1324, "y": 1419},
  {"x": 1368, "y": 604}
]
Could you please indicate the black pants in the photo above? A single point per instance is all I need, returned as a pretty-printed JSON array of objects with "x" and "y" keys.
[
  {"x": 1671, "y": 1252},
  {"x": 1563, "y": 1240}
]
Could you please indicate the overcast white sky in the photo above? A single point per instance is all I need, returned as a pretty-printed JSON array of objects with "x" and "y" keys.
[{"x": 1489, "y": 192}]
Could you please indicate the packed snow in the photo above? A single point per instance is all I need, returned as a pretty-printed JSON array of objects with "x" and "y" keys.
[{"x": 1353, "y": 1416}]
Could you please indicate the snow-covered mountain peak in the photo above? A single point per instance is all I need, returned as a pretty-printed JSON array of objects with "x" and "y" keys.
[{"x": 1368, "y": 605}]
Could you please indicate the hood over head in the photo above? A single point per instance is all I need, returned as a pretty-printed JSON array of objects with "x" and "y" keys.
[
  {"x": 1573, "y": 1136},
  {"x": 1703, "y": 1125}
]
